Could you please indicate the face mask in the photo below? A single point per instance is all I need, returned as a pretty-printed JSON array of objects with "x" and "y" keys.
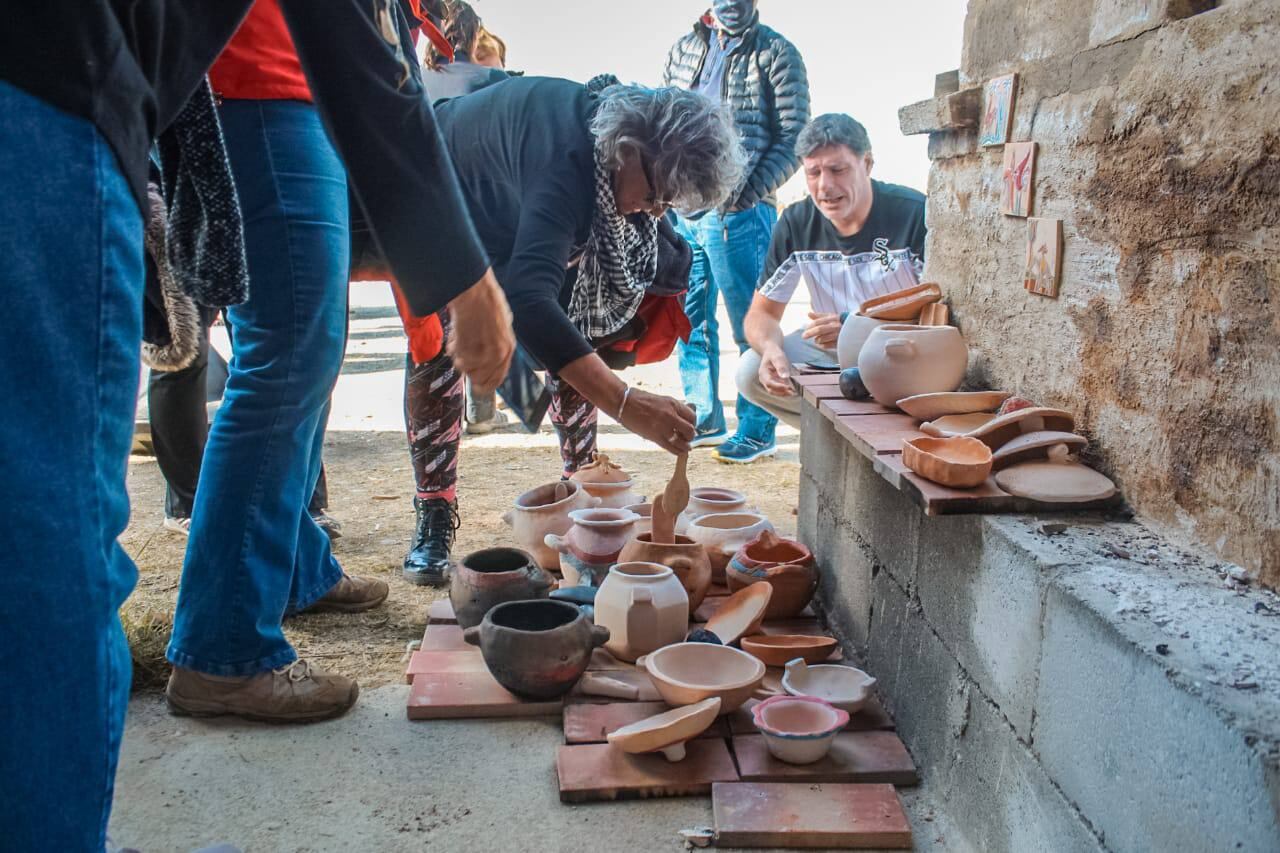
[{"x": 734, "y": 15}]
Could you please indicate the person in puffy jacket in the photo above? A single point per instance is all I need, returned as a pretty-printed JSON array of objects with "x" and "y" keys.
[{"x": 731, "y": 57}]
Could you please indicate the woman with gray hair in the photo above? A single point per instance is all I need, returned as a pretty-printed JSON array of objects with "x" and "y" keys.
[{"x": 565, "y": 184}]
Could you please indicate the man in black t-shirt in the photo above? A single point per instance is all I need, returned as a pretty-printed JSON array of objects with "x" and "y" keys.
[{"x": 851, "y": 239}]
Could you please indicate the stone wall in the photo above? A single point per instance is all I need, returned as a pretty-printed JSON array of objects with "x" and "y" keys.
[{"x": 1158, "y": 123}]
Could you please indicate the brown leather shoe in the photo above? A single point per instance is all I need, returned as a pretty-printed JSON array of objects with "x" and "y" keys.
[
  {"x": 297, "y": 693},
  {"x": 352, "y": 595}
]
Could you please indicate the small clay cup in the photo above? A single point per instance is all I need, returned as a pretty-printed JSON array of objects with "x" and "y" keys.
[{"x": 536, "y": 649}]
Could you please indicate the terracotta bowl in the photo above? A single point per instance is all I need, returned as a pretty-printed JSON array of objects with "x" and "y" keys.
[
  {"x": 798, "y": 729},
  {"x": 777, "y": 649},
  {"x": 959, "y": 462},
  {"x": 902, "y": 304},
  {"x": 685, "y": 673},
  {"x": 741, "y": 614},
  {"x": 669, "y": 731},
  {"x": 843, "y": 686}
]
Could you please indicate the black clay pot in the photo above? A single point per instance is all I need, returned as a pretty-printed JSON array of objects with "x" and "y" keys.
[
  {"x": 851, "y": 387},
  {"x": 536, "y": 649},
  {"x": 491, "y": 577}
]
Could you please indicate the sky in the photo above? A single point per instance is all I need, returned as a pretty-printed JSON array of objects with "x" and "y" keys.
[{"x": 866, "y": 58}]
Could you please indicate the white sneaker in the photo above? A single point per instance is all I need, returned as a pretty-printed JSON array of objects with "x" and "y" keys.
[
  {"x": 498, "y": 421},
  {"x": 178, "y": 525}
]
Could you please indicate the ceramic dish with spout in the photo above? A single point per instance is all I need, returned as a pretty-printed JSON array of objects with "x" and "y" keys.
[{"x": 843, "y": 686}]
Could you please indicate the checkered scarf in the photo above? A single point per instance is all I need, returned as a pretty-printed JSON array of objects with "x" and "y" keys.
[{"x": 618, "y": 265}]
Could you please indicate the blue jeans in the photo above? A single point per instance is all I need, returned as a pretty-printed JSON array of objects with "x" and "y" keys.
[
  {"x": 728, "y": 254},
  {"x": 70, "y": 334},
  {"x": 255, "y": 554}
]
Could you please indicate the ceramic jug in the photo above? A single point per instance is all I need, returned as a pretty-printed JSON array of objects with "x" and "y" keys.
[
  {"x": 592, "y": 543},
  {"x": 853, "y": 335},
  {"x": 685, "y": 557},
  {"x": 644, "y": 606},
  {"x": 546, "y": 510},
  {"x": 724, "y": 533},
  {"x": 536, "y": 649},
  {"x": 785, "y": 565},
  {"x": 901, "y": 360},
  {"x": 484, "y": 579}
]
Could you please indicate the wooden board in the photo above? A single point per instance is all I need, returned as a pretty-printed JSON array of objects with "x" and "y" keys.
[
  {"x": 753, "y": 814},
  {"x": 877, "y": 756},
  {"x": 872, "y": 435},
  {"x": 841, "y": 406},
  {"x": 440, "y": 612},
  {"x": 454, "y": 695},
  {"x": 871, "y": 718},
  {"x": 598, "y": 771},
  {"x": 591, "y": 722}
]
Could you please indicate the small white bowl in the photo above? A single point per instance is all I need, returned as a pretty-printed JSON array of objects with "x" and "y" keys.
[
  {"x": 798, "y": 729},
  {"x": 843, "y": 686}
]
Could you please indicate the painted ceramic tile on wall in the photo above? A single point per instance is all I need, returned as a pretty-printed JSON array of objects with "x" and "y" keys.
[
  {"x": 997, "y": 110},
  {"x": 1044, "y": 256},
  {"x": 1018, "y": 178}
]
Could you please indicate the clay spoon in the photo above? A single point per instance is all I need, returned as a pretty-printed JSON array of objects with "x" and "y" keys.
[
  {"x": 664, "y": 524},
  {"x": 676, "y": 497}
]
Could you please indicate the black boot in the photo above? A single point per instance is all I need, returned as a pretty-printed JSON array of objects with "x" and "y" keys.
[{"x": 428, "y": 561}]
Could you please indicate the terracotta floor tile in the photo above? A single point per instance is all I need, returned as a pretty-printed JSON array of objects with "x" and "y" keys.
[
  {"x": 441, "y": 613},
  {"x": 597, "y": 771},
  {"x": 445, "y": 638},
  {"x": 753, "y": 814},
  {"x": 441, "y": 662},
  {"x": 872, "y": 717},
  {"x": 877, "y": 756},
  {"x": 453, "y": 695},
  {"x": 591, "y": 722}
]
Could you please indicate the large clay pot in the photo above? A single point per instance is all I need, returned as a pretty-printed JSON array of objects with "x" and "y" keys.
[
  {"x": 708, "y": 500},
  {"x": 593, "y": 542},
  {"x": 853, "y": 335},
  {"x": 484, "y": 579},
  {"x": 785, "y": 565},
  {"x": 723, "y": 534},
  {"x": 901, "y": 361},
  {"x": 644, "y": 606},
  {"x": 604, "y": 480},
  {"x": 685, "y": 557},
  {"x": 536, "y": 649},
  {"x": 546, "y": 510}
]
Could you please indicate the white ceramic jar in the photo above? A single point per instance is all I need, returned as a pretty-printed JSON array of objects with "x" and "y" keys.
[
  {"x": 853, "y": 335},
  {"x": 644, "y": 606},
  {"x": 900, "y": 360}
]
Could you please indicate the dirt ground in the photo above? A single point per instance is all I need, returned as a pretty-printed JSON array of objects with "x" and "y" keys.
[{"x": 371, "y": 492}]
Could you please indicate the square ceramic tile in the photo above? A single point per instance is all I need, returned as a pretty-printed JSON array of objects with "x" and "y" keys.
[
  {"x": 998, "y": 97},
  {"x": 751, "y": 814},
  {"x": 440, "y": 612},
  {"x": 445, "y": 638},
  {"x": 598, "y": 771},
  {"x": 1017, "y": 179},
  {"x": 421, "y": 663},
  {"x": 1044, "y": 256},
  {"x": 453, "y": 695},
  {"x": 854, "y": 757},
  {"x": 591, "y": 722}
]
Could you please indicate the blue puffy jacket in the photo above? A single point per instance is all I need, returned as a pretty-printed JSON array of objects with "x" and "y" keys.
[{"x": 767, "y": 90}]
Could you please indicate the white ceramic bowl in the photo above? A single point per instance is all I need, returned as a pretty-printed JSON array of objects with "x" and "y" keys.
[
  {"x": 843, "y": 686},
  {"x": 798, "y": 729}
]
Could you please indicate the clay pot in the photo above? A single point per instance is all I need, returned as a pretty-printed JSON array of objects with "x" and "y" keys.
[
  {"x": 741, "y": 613},
  {"x": 959, "y": 462},
  {"x": 592, "y": 544},
  {"x": 667, "y": 732},
  {"x": 685, "y": 557},
  {"x": 785, "y": 565},
  {"x": 843, "y": 686},
  {"x": 604, "y": 480},
  {"x": 536, "y": 649},
  {"x": 685, "y": 673},
  {"x": 645, "y": 511},
  {"x": 708, "y": 500},
  {"x": 724, "y": 533},
  {"x": 485, "y": 579},
  {"x": 798, "y": 729},
  {"x": 901, "y": 305},
  {"x": 853, "y": 335},
  {"x": 902, "y": 361},
  {"x": 779, "y": 649},
  {"x": 546, "y": 510},
  {"x": 644, "y": 606}
]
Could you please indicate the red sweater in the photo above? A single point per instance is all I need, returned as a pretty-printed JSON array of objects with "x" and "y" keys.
[{"x": 260, "y": 63}]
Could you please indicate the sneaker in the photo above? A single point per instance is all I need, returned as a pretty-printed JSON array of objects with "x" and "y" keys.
[
  {"x": 428, "y": 560},
  {"x": 181, "y": 526},
  {"x": 740, "y": 450},
  {"x": 709, "y": 439},
  {"x": 497, "y": 421},
  {"x": 295, "y": 693},
  {"x": 330, "y": 525},
  {"x": 352, "y": 595}
]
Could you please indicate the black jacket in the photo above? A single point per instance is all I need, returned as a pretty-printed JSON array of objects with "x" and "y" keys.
[{"x": 767, "y": 90}]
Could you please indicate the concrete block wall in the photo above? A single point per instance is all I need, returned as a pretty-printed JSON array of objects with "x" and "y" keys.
[
  {"x": 1158, "y": 124},
  {"x": 1101, "y": 689}
]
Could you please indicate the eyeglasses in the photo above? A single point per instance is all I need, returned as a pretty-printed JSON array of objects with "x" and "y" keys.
[{"x": 657, "y": 206}]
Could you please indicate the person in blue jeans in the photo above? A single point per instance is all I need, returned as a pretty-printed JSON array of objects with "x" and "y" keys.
[{"x": 759, "y": 76}]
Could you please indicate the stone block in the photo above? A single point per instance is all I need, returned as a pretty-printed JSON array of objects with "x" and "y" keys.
[
  {"x": 950, "y": 112},
  {"x": 1123, "y": 19},
  {"x": 823, "y": 452},
  {"x": 845, "y": 585},
  {"x": 1150, "y": 762},
  {"x": 886, "y": 519}
]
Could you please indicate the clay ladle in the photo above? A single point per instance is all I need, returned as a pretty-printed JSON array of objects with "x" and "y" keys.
[
  {"x": 676, "y": 497},
  {"x": 664, "y": 523}
]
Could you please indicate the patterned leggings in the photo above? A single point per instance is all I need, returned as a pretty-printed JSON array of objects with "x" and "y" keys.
[{"x": 433, "y": 409}]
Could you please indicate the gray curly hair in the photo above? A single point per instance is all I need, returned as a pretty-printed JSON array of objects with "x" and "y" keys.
[{"x": 688, "y": 140}]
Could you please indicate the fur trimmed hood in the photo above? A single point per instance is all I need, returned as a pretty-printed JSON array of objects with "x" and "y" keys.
[{"x": 171, "y": 320}]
